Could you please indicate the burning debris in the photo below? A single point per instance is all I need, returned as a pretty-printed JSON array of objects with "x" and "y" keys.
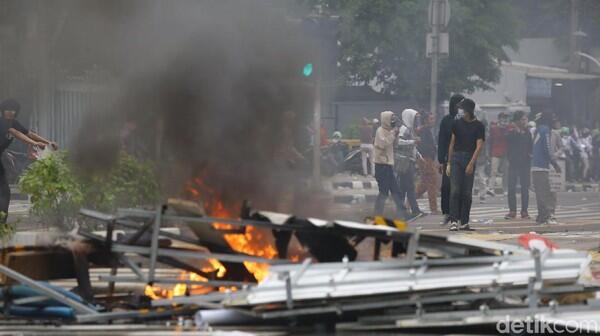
[{"x": 435, "y": 282}]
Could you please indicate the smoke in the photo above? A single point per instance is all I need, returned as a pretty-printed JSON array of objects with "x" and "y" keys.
[{"x": 208, "y": 89}]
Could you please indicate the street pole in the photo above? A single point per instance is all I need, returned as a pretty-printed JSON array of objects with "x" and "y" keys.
[
  {"x": 434, "y": 57},
  {"x": 573, "y": 45},
  {"x": 317, "y": 134}
]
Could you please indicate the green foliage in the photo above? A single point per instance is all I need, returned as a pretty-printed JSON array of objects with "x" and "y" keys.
[
  {"x": 384, "y": 41},
  {"x": 57, "y": 193},
  {"x": 130, "y": 183},
  {"x": 7, "y": 230}
]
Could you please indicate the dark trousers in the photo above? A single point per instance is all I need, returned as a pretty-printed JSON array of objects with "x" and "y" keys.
[
  {"x": 461, "y": 188},
  {"x": 4, "y": 194},
  {"x": 445, "y": 191},
  {"x": 518, "y": 173},
  {"x": 386, "y": 181},
  {"x": 406, "y": 182}
]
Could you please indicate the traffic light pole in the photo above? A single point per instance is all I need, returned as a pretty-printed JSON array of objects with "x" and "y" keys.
[
  {"x": 317, "y": 135},
  {"x": 434, "y": 58}
]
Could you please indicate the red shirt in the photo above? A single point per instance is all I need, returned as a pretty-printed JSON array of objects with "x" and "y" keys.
[{"x": 498, "y": 140}]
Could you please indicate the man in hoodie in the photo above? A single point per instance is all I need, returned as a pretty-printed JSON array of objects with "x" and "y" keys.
[
  {"x": 519, "y": 164},
  {"x": 444, "y": 136},
  {"x": 468, "y": 136},
  {"x": 543, "y": 158},
  {"x": 11, "y": 128},
  {"x": 405, "y": 159},
  {"x": 385, "y": 139}
]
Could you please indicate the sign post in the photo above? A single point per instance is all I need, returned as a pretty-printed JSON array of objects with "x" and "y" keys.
[{"x": 437, "y": 43}]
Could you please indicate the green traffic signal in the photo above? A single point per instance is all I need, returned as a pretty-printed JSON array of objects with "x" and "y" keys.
[{"x": 307, "y": 70}]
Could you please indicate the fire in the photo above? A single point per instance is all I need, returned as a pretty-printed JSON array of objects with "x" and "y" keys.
[
  {"x": 181, "y": 289},
  {"x": 254, "y": 241}
]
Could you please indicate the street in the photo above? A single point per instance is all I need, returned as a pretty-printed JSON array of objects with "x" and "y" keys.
[{"x": 578, "y": 214}]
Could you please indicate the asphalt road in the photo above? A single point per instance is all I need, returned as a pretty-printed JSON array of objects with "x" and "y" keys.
[{"x": 578, "y": 214}]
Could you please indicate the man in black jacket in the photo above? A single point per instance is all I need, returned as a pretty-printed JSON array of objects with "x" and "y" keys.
[{"x": 444, "y": 135}]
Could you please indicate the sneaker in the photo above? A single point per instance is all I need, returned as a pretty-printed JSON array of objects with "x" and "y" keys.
[
  {"x": 453, "y": 226},
  {"x": 415, "y": 215},
  {"x": 445, "y": 221},
  {"x": 511, "y": 215},
  {"x": 552, "y": 221},
  {"x": 525, "y": 215},
  {"x": 481, "y": 199},
  {"x": 490, "y": 193},
  {"x": 465, "y": 227}
]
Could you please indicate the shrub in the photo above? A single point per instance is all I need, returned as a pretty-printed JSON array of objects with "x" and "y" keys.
[{"x": 57, "y": 193}]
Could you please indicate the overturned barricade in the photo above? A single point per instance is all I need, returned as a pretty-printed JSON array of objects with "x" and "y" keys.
[{"x": 429, "y": 280}]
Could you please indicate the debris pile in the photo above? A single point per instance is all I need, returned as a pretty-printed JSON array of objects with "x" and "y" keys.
[{"x": 430, "y": 281}]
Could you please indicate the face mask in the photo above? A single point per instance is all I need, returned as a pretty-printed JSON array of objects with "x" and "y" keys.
[{"x": 460, "y": 114}]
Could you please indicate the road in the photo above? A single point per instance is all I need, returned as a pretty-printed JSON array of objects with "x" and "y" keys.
[{"x": 578, "y": 214}]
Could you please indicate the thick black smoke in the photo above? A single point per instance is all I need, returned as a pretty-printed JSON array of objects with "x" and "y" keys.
[{"x": 212, "y": 84}]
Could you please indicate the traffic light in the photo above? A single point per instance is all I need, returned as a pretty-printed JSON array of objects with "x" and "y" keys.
[{"x": 307, "y": 70}]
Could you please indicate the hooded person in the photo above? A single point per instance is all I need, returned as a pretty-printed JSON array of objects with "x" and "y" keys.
[
  {"x": 405, "y": 159},
  {"x": 338, "y": 150},
  {"x": 384, "y": 142},
  {"x": 444, "y": 136},
  {"x": 11, "y": 128}
]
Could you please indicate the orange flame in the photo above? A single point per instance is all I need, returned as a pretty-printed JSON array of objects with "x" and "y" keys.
[{"x": 254, "y": 241}]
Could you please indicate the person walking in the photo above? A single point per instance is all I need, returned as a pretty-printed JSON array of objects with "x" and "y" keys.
[
  {"x": 520, "y": 145},
  {"x": 366, "y": 147},
  {"x": 385, "y": 140},
  {"x": 498, "y": 147},
  {"x": 585, "y": 143},
  {"x": 468, "y": 137},
  {"x": 556, "y": 146},
  {"x": 406, "y": 157},
  {"x": 540, "y": 170},
  {"x": 427, "y": 166},
  {"x": 444, "y": 136}
]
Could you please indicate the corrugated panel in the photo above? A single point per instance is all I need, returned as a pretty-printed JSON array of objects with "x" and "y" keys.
[{"x": 70, "y": 107}]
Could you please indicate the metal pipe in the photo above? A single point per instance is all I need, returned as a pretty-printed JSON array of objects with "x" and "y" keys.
[
  {"x": 133, "y": 267},
  {"x": 77, "y": 306},
  {"x": 208, "y": 283},
  {"x": 154, "y": 244},
  {"x": 193, "y": 254}
]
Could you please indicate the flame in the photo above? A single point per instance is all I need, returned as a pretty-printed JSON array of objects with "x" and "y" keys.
[
  {"x": 156, "y": 292},
  {"x": 254, "y": 241}
]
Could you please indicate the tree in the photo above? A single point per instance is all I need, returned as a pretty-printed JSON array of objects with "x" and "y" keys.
[{"x": 383, "y": 43}]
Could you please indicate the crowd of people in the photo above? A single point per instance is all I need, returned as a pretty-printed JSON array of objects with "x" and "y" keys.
[{"x": 402, "y": 153}]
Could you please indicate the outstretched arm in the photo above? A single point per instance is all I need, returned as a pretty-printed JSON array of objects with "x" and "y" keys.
[
  {"x": 41, "y": 139},
  {"x": 25, "y": 138}
]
